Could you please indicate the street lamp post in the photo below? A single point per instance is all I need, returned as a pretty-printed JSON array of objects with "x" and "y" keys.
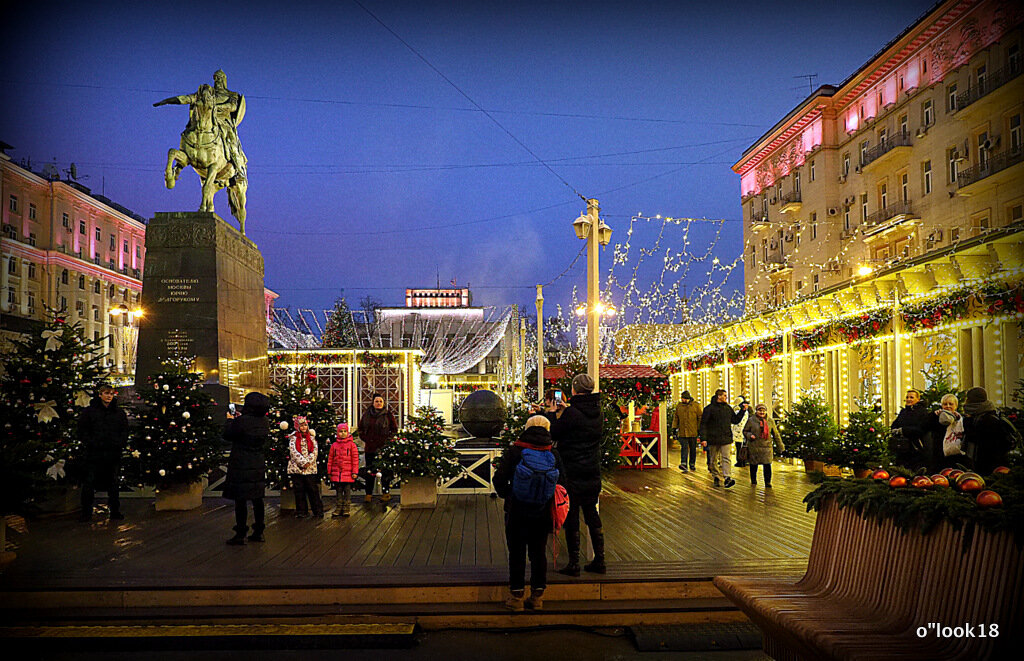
[
  {"x": 128, "y": 333},
  {"x": 590, "y": 227},
  {"x": 540, "y": 343}
]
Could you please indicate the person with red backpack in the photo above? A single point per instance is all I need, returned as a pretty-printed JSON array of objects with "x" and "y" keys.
[{"x": 526, "y": 477}]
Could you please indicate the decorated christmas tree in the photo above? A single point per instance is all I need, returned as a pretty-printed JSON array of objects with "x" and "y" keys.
[
  {"x": 178, "y": 441},
  {"x": 939, "y": 382},
  {"x": 808, "y": 431},
  {"x": 299, "y": 395},
  {"x": 341, "y": 328},
  {"x": 47, "y": 376},
  {"x": 864, "y": 441},
  {"x": 420, "y": 449}
]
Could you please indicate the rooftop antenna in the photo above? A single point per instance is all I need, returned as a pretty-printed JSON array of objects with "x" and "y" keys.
[{"x": 810, "y": 81}]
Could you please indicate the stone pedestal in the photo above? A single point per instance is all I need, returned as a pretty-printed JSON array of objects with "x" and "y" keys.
[
  {"x": 202, "y": 297},
  {"x": 180, "y": 497}
]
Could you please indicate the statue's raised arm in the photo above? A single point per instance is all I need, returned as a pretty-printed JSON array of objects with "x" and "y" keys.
[{"x": 210, "y": 144}]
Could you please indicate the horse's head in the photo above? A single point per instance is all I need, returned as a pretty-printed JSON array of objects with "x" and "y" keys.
[{"x": 205, "y": 96}]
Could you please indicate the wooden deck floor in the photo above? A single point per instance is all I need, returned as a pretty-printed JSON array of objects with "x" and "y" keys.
[{"x": 659, "y": 524}]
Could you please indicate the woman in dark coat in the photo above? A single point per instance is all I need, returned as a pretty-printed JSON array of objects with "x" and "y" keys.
[
  {"x": 377, "y": 427},
  {"x": 911, "y": 441},
  {"x": 247, "y": 467},
  {"x": 103, "y": 435}
]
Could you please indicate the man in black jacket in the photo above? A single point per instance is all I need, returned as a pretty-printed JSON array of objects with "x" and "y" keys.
[
  {"x": 102, "y": 434},
  {"x": 910, "y": 442},
  {"x": 576, "y": 429},
  {"x": 247, "y": 466},
  {"x": 716, "y": 434}
]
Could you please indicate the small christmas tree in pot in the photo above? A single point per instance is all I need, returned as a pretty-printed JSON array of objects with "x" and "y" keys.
[
  {"x": 811, "y": 431},
  {"x": 178, "y": 441},
  {"x": 864, "y": 440},
  {"x": 420, "y": 455}
]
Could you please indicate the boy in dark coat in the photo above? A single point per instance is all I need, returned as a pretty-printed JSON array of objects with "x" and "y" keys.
[
  {"x": 103, "y": 435},
  {"x": 527, "y": 526},
  {"x": 247, "y": 467},
  {"x": 576, "y": 430}
]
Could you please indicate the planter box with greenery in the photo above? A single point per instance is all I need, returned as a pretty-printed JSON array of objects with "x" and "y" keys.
[{"x": 420, "y": 455}]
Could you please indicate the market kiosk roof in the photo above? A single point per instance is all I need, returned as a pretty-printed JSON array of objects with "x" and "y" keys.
[{"x": 556, "y": 372}]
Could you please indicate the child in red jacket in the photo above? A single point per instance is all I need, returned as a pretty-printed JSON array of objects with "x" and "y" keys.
[{"x": 342, "y": 468}]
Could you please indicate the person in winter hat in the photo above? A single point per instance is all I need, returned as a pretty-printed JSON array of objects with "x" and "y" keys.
[
  {"x": 762, "y": 436},
  {"x": 988, "y": 436},
  {"x": 247, "y": 466},
  {"x": 377, "y": 427},
  {"x": 302, "y": 469},
  {"x": 527, "y": 525},
  {"x": 103, "y": 434},
  {"x": 342, "y": 468}
]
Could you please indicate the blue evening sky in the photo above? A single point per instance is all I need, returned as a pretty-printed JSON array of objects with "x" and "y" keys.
[{"x": 370, "y": 172}]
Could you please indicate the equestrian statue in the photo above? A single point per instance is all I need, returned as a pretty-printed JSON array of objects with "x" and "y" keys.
[{"x": 210, "y": 144}]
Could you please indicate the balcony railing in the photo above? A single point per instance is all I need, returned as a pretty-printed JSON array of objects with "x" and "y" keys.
[
  {"x": 792, "y": 196},
  {"x": 993, "y": 163},
  {"x": 993, "y": 81},
  {"x": 888, "y": 213},
  {"x": 886, "y": 146}
]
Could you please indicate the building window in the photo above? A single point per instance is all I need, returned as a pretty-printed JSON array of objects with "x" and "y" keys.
[
  {"x": 64, "y": 277},
  {"x": 927, "y": 113},
  {"x": 1015, "y": 214},
  {"x": 904, "y": 125},
  {"x": 96, "y": 336},
  {"x": 814, "y": 226},
  {"x": 864, "y": 206},
  {"x": 951, "y": 98},
  {"x": 764, "y": 250},
  {"x": 883, "y": 135},
  {"x": 13, "y": 204},
  {"x": 95, "y": 313},
  {"x": 952, "y": 155},
  {"x": 811, "y": 168},
  {"x": 113, "y": 242},
  {"x": 926, "y": 174},
  {"x": 924, "y": 65},
  {"x": 883, "y": 197},
  {"x": 31, "y": 270},
  {"x": 864, "y": 150},
  {"x": 80, "y": 308},
  {"x": 814, "y": 281},
  {"x": 983, "y": 149},
  {"x": 31, "y": 302},
  {"x": 954, "y": 235},
  {"x": 753, "y": 256},
  {"x": 138, "y": 252},
  {"x": 111, "y": 292},
  {"x": 66, "y": 221},
  {"x": 11, "y": 300},
  {"x": 905, "y": 187},
  {"x": 31, "y": 211},
  {"x": 31, "y": 238},
  {"x": 63, "y": 304},
  {"x": 796, "y": 182},
  {"x": 901, "y": 82},
  {"x": 846, "y": 164},
  {"x": 12, "y": 265},
  {"x": 96, "y": 286},
  {"x": 124, "y": 246},
  {"x": 846, "y": 219},
  {"x": 1013, "y": 58},
  {"x": 81, "y": 282},
  {"x": 980, "y": 223},
  {"x": 1015, "y": 134},
  {"x": 99, "y": 235},
  {"x": 981, "y": 75},
  {"x": 81, "y": 227}
]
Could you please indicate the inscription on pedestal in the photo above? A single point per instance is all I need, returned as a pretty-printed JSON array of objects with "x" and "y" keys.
[
  {"x": 179, "y": 290},
  {"x": 179, "y": 344}
]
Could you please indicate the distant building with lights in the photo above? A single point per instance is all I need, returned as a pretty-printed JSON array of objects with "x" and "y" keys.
[
  {"x": 438, "y": 298},
  {"x": 66, "y": 248},
  {"x": 883, "y": 230}
]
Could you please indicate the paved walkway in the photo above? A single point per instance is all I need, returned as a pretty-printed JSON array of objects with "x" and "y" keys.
[{"x": 660, "y": 524}]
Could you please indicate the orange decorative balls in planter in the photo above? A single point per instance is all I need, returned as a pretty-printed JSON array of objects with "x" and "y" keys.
[
  {"x": 880, "y": 474},
  {"x": 940, "y": 480},
  {"x": 989, "y": 499},
  {"x": 1001, "y": 470},
  {"x": 922, "y": 482},
  {"x": 946, "y": 471},
  {"x": 898, "y": 481},
  {"x": 970, "y": 483}
]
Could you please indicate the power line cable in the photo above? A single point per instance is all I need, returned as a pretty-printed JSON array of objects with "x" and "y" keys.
[{"x": 469, "y": 98}]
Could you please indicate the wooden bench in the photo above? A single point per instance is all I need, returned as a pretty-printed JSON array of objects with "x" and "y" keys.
[{"x": 871, "y": 591}]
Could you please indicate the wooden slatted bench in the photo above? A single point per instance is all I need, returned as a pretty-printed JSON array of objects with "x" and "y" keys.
[{"x": 870, "y": 592}]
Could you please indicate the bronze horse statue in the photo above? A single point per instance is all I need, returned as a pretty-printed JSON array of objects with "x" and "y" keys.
[{"x": 204, "y": 146}]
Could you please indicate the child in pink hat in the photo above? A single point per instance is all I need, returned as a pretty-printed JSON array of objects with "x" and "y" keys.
[{"x": 342, "y": 468}]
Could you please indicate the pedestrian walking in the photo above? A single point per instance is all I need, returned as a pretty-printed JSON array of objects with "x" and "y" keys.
[
  {"x": 377, "y": 427},
  {"x": 302, "y": 469},
  {"x": 246, "y": 477},
  {"x": 576, "y": 429},
  {"x": 102, "y": 435},
  {"x": 716, "y": 436},
  {"x": 910, "y": 440},
  {"x": 761, "y": 435},
  {"x": 342, "y": 468},
  {"x": 988, "y": 436},
  {"x": 525, "y": 479},
  {"x": 686, "y": 421}
]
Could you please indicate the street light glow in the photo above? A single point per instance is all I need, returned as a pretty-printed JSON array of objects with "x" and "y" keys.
[{"x": 864, "y": 270}]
